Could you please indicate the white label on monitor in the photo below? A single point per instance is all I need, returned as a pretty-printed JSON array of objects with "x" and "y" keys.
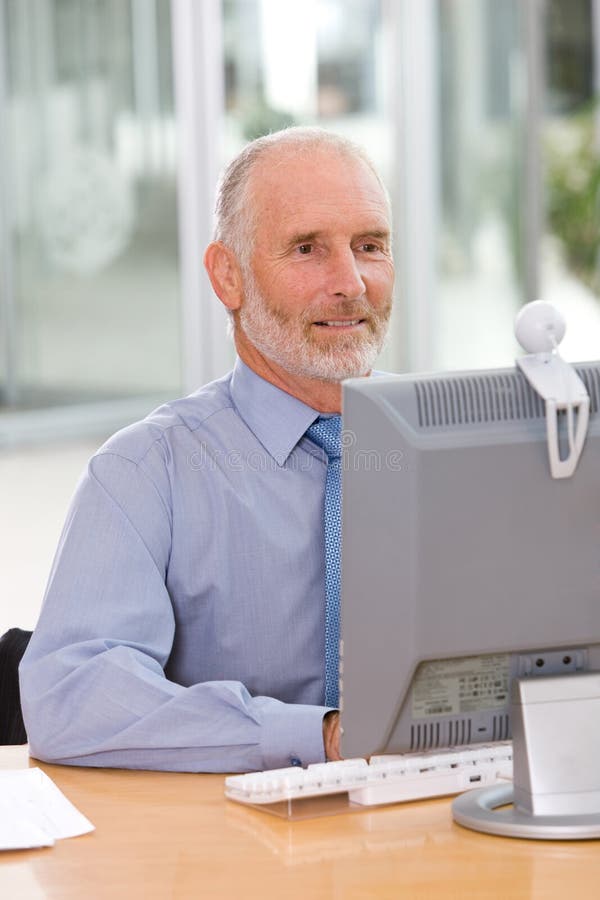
[{"x": 452, "y": 687}]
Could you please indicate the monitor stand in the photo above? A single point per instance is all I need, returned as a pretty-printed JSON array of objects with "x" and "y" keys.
[{"x": 556, "y": 751}]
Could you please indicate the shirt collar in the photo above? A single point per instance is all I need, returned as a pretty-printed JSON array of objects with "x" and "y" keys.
[{"x": 277, "y": 419}]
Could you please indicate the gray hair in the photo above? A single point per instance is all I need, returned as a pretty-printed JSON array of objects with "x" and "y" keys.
[{"x": 235, "y": 219}]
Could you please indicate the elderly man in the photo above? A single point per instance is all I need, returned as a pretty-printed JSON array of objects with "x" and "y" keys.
[{"x": 184, "y": 625}]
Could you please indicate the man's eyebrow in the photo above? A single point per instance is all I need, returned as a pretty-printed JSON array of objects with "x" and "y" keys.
[
  {"x": 378, "y": 233},
  {"x": 303, "y": 237}
]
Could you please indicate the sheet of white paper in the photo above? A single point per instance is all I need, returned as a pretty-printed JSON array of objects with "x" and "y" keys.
[{"x": 34, "y": 813}]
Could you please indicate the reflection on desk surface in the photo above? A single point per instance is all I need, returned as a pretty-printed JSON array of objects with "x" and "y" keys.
[{"x": 402, "y": 829}]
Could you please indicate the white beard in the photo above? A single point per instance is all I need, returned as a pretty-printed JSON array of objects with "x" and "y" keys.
[{"x": 289, "y": 341}]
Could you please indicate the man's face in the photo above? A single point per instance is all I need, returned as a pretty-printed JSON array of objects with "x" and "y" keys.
[{"x": 318, "y": 296}]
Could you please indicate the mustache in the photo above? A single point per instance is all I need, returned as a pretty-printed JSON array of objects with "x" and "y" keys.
[
  {"x": 351, "y": 308},
  {"x": 345, "y": 309}
]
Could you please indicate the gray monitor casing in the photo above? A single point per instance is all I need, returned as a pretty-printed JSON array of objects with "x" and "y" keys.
[{"x": 459, "y": 547}]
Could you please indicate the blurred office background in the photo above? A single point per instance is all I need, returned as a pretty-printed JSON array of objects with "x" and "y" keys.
[{"x": 115, "y": 119}]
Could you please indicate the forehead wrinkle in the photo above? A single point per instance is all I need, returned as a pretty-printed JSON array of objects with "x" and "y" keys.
[{"x": 271, "y": 204}]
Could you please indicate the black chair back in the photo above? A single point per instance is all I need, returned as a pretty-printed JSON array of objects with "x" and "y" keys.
[{"x": 12, "y": 647}]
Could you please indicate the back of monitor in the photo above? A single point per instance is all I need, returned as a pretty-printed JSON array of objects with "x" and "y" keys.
[{"x": 464, "y": 563}]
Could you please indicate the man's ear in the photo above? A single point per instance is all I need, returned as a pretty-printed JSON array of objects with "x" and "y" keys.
[{"x": 225, "y": 274}]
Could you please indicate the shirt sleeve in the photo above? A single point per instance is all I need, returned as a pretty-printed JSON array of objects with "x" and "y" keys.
[{"x": 93, "y": 686}]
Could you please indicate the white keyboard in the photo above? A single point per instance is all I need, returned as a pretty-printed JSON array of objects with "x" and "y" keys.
[{"x": 385, "y": 779}]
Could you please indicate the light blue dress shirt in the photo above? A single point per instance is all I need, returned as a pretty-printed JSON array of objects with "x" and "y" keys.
[{"x": 183, "y": 623}]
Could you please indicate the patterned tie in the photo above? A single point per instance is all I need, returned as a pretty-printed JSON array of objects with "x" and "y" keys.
[{"x": 326, "y": 432}]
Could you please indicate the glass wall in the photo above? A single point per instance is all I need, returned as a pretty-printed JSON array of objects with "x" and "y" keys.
[
  {"x": 479, "y": 274},
  {"x": 482, "y": 117},
  {"x": 520, "y": 186},
  {"x": 570, "y": 138},
  {"x": 519, "y": 153},
  {"x": 89, "y": 295},
  {"x": 325, "y": 66}
]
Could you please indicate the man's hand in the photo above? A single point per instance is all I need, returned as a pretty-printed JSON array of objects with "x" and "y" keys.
[{"x": 331, "y": 735}]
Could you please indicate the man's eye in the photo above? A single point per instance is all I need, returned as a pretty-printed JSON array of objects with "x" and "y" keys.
[
  {"x": 305, "y": 249},
  {"x": 369, "y": 248}
]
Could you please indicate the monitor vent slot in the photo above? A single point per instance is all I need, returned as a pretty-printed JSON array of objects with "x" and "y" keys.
[
  {"x": 431, "y": 735},
  {"x": 591, "y": 378},
  {"x": 425, "y": 736},
  {"x": 459, "y": 732},
  {"x": 501, "y": 728},
  {"x": 473, "y": 399}
]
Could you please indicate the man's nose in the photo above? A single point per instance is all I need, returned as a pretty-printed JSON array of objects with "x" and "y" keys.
[{"x": 345, "y": 278}]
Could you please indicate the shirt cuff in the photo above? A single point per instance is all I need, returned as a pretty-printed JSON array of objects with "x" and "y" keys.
[{"x": 292, "y": 735}]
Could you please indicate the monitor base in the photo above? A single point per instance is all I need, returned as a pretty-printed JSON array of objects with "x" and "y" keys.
[{"x": 480, "y": 810}]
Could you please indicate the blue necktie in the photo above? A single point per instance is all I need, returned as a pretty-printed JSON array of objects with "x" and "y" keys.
[{"x": 326, "y": 432}]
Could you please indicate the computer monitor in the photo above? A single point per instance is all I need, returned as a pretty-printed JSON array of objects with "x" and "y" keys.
[{"x": 464, "y": 563}]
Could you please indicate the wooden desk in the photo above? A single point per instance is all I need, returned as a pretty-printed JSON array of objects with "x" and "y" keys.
[{"x": 161, "y": 835}]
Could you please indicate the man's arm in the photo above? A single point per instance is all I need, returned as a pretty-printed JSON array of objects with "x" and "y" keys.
[{"x": 93, "y": 686}]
